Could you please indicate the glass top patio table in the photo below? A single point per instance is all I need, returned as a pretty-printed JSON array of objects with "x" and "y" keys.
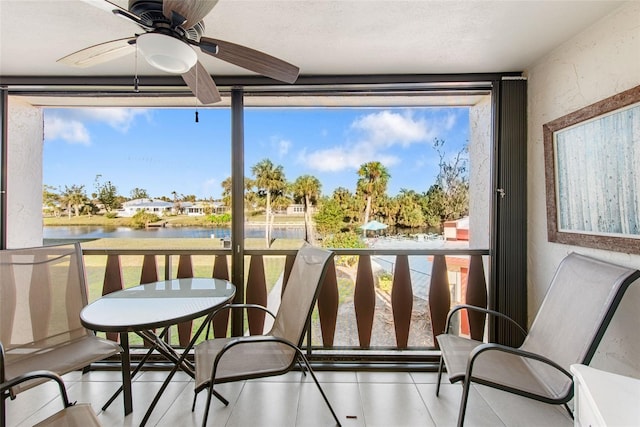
[
  {"x": 156, "y": 305},
  {"x": 142, "y": 309}
]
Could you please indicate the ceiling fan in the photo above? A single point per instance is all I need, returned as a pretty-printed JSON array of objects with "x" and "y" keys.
[{"x": 173, "y": 28}]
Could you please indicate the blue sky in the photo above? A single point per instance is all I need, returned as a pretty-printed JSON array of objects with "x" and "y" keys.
[{"x": 164, "y": 150}]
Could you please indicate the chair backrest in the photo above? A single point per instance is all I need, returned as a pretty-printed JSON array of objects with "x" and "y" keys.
[
  {"x": 300, "y": 294},
  {"x": 575, "y": 313},
  {"x": 42, "y": 291}
]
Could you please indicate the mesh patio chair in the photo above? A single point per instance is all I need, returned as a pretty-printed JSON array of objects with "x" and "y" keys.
[
  {"x": 42, "y": 291},
  {"x": 567, "y": 329},
  {"x": 276, "y": 352},
  {"x": 72, "y": 414}
]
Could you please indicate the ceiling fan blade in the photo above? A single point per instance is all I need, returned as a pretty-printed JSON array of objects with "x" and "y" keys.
[
  {"x": 250, "y": 59},
  {"x": 105, "y": 5},
  {"x": 113, "y": 8},
  {"x": 193, "y": 11},
  {"x": 100, "y": 53},
  {"x": 201, "y": 84}
]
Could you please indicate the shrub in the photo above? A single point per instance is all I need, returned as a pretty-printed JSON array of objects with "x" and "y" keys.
[
  {"x": 111, "y": 215},
  {"x": 385, "y": 282},
  {"x": 219, "y": 219},
  {"x": 142, "y": 218},
  {"x": 347, "y": 239}
]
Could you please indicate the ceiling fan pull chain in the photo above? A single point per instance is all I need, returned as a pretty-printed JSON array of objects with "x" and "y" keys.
[
  {"x": 135, "y": 69},
  {"x": 196, "y": 99}
]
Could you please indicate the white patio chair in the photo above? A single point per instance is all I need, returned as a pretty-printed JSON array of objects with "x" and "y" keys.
[
  {"x": 42, "y": 291},
  {"x": 72, "y": 414},
  {"x": 571, "y": 321},
  {"x": 276, "y": 352}
]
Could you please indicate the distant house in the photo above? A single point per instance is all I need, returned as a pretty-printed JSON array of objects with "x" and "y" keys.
[
  {"x": 204, "y": 208},
  {"x": 154, "y": 206},
  {"x": 295, "y": 209},
  {"x": 457, "y": 230}
]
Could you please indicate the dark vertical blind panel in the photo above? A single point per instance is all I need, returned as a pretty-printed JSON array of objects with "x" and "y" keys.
[
  {"x": 237, "y": 206},
  {"x": 509, "y": 295},
  {"x": 4, "y": 143}
]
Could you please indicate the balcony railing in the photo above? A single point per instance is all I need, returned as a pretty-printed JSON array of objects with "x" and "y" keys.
[{"x": 374, "y": 303}]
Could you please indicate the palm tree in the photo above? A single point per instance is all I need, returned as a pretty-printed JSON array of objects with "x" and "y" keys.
[
  {"x": 307, "y": 188},
  {"x": 74, "y": 197},
  {"x": 177, "y": 206},
  {"x": 139, "y": 193},
  {"x": 226, "y": 191},
  {"x": 372, "y": 182},
  {"x": 51, "y": 199},
  {"x": 268, "y": 179},
  {"x": 348, "y": 203}
]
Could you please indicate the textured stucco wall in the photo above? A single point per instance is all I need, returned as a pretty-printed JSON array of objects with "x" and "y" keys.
[
  {"x": 480, "y": 174},
  {"x": 599, "y": 62},
  {"x": 24, "y": 178}
]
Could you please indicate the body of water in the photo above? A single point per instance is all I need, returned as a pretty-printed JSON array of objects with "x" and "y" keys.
[
  {"x": 420, "y": 266},
  {"x": 97, "y": 232}
]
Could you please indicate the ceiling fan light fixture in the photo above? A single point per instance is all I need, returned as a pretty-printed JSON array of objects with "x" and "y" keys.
[{"x": 167, "y": 53}]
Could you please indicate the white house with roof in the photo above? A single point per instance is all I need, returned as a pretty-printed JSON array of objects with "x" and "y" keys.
[
  {"x": 202, "y": 208},
  {"x": 154, "y": 206}
]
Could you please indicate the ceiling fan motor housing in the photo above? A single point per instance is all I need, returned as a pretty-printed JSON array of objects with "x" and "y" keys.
[{"x": 150, "y": 11}]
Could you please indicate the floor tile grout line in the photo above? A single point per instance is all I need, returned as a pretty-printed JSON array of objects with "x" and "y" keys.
[
  {"x": 424, "y": 403},
  {"x": 478, "y": 394},
  {"x": 234, "y": 403},
  {"x": 168, "y": 408},
  {"x": 364, "y": 415}
]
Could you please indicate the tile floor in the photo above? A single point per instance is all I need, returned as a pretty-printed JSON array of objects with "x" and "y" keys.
[{"x": 384, "y": 399}]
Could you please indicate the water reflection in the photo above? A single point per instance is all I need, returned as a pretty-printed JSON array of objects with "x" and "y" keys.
[{"x": 100, "y": 232}]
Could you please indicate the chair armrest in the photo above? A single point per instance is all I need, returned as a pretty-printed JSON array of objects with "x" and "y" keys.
[
  {"x": 6, "y": 386},
  {"x": 482, "y": 310},
  {"x": 256, "y": 306},
  {"x": 252, "y": 339},
  {"x": 476, "y": 352},
  {"x": 1, "y": 363},
  {"x": 233, "y": 305}
]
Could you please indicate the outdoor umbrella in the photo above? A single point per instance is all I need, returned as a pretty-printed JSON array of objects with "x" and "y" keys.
[{"x": 373, "y": 226}]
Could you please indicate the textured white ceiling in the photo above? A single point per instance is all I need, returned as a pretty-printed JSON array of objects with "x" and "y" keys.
[{"x": 321, "y": 37}]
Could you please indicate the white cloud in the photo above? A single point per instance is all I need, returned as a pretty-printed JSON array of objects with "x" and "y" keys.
[
  {"x": 372, "y": 137},
  {"x": 283, "y": 147},
  {"x": 70, "y": 125},
  {"x": 388, "y": 128},
  {"x": 118, "y": 118},
  {"x": 450, "y": 121},
  {"x": 339, "y": 158},
  {"x": 329, "y": 160},
  {"x": 72, "y": 131}
]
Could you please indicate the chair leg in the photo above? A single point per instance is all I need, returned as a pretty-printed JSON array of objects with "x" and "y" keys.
[
  {"x": 324, "y": 396},
  {"x": 463, "y": 403},
  {"x": 3, "y": 421},
  {"x": 206, "y": 408},
  {"x": 439, "y": 376},
  {"x": 569, "y": 410},
  {"x": 302, "y": 369},
  {"x": 218, "y": 396}
]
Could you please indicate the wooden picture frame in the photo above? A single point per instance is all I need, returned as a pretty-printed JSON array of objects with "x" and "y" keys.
[{"x": 592, "y": 173}]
